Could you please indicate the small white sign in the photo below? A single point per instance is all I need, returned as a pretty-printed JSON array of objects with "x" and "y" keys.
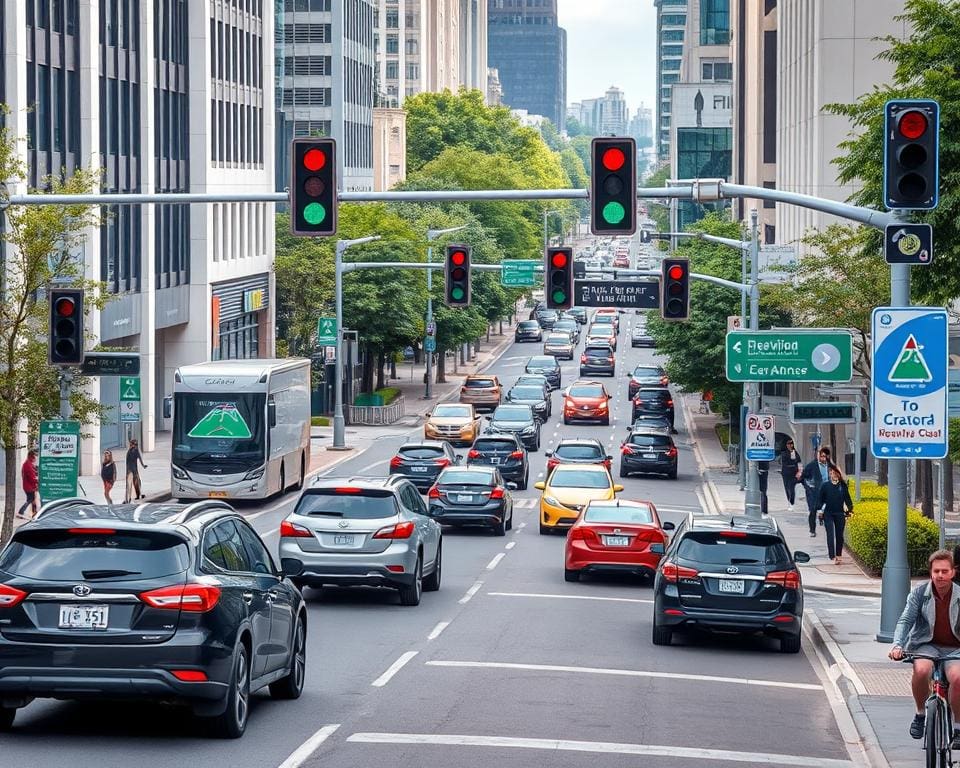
[
  {"x": 760, "y": 437},
  {"x": 59, "y": 446},
  {"x": 129, "y": 411},
  {"x": 734, "y": 323}
]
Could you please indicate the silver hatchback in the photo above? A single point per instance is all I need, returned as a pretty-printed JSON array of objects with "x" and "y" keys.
[{"x": 363, "y": 531}]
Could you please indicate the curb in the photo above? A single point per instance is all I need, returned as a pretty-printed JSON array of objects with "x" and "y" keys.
[
  {"x": 843, "y": 591},
  {"x": 711, "y": 489}
]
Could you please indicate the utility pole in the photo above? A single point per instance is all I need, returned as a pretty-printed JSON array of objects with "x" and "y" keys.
[
  {"x": 432, "y": 234},
  {"x": 753, "y": 504}
]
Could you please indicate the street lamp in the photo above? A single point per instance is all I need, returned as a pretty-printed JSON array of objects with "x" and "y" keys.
[
  {"x": 339, "y": 431},
  {"x": 432, "y": 234}
]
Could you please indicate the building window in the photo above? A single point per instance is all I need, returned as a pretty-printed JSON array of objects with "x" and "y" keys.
[
  {"x": 714, "y": 22},
  {"x": 318, "y": 97},
  {"x": 717, "y": 71},
  {"x": 306, "y": 33},
  {"x": 307, "y": 65},
  {"x": 411, "y": 46},
  {"x": 671, "y": 50},
  {"x": 673, "y": 20},
  {"x": 413, "y": 71},
  {"x": 393, "y": 19},
  {"x": 671, "y": 78},
  {"x": 670, "y": 65},
  {"x": 393, "y": 44},
  {"x": 672, "y": 36},
  {"x": 239, "y": 338},
  {"x": 306, "y": 5},
  {"x": 392, "y": 70}
]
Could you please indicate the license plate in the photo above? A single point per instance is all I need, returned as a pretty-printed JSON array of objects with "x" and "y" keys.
[
  {"x": 494, "y": 459},
  {"x": 464, "y": 497},
  {"x": 83, "y": 616},
  {"x": 217, "y": 494},
  {"x": 343, "y": 540},
  {"x": 649, "y": 455},
  {"x": 418, "y": 469},
  {"x": 732, "y": 585},
  {"x": 616, "y": 541}
]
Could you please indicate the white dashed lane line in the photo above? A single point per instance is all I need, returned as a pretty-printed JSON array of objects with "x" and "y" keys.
[{"x": 393, "y": 669}]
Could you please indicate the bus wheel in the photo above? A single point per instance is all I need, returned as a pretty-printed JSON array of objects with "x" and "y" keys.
[
  {"x": 303, "y": 473},
  {"x": 283, "y": 480}
]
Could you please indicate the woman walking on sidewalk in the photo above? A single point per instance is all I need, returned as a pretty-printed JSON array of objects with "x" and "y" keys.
[
  {"x": 835, "y": 506},
  {"x": 790, "y": 464},
  {"x": 108, "y": 474}
]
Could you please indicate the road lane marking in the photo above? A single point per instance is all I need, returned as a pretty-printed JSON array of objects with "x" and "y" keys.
[
  {"x": 496, "y": 561},
  {"x": 305, "y": 750},
  {"x": 364, "y": 470},
  {"x": 520, "y": 528},
  {"x": 604, "y": 747},
  {"x": 470, "y": 593},
  {"x": 437, "y": 630},
  {"x": 393, "y": 669},
  {"x": 571, "y": 597},
  {"x": 629, "y": 673},
  {"x": 511, "y": 545}
]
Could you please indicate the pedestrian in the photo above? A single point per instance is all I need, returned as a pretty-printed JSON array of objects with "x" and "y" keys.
[
  {"x": 133, "y": 472},
  {"x": 763, "y": 472},
  {"x": 108, "y": 473},
  {"x": 835, "y": 506},
  {"x": 813, "y": 476},
  {"x": 790, "y": 463},
  {"x": 30, "y": 481}
]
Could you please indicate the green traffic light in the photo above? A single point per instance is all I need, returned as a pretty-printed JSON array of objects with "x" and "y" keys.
[
  {"x": 614, "y": 213},
  {"x": 559, "y": 297},
  {"x": 314, "y": 213},
  {"x": 457, "y": 293}
]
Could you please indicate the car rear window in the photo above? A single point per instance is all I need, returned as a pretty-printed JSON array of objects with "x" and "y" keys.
[
  {"x": 527, "y": 393},
  {"x": 421, "y": 452},
  {"x": 543, "y": 361},
  {"x": 529, "y": 325},
  {"x": 578, "y": 478},
  {"x": 479, "y": 383},
  {"x": 647, "y": 441},
  {"x": 465, "y": 477},
  {"x": 351, "y": 503},
  {"x": 654, "y": 394},
  {"x": 597, "y": 351},
  {"x": 119, "y": 556},
  {"x": 579, "y": 452},
  {"x": 715, "y": 548},
  {"x": 485, "y": 444},
  {"x": 558, "y": 338},
  {"x": 646, "y": 372},
  {"x": 586, "y": 390},
  {"x": 612, "y": 513}
]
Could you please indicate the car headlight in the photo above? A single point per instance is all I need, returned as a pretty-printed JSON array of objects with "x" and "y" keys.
[
  {"x": 254, "y": 474},
  {"x": 551, "y": 501},
  {"x": 179, "y": 473},
  {"x": 602, "y": 406},
  {"x": 529, "y": 429}
]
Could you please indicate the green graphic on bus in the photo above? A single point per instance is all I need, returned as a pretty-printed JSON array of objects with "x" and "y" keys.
[{"x": 223, "y": 421}]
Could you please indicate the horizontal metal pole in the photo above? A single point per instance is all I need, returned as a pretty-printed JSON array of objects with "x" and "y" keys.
[
  {"x": 743, "y": 245},
  {"x": 429, "y": 196},
  {"x": 353, "y": 266},
  {"x": 159, "y": 198}
]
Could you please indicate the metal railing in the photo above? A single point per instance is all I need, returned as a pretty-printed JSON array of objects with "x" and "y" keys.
[{"x": 377, "y": 415}]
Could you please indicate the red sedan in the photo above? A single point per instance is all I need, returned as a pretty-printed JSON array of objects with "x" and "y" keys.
[
  {"x": 616, "y": 535},
  {"x": 586, "y": 400}
]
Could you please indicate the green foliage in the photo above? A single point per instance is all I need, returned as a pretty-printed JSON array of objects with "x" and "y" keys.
[
  {"x": 575, "y": 128},
  {"x": 659, "y": 211},
  {"x": 389, "y": 394},
  {"x": 866, "y": 531},
  {"x": 925, "y": 66},
  {"x": 319, "y": 421},
  {"x": 953, "y": 431}
]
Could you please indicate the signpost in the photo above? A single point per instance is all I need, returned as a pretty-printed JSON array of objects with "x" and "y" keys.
[
  {"x": 616, "y": 293},
  {"x": 518, "y": 272},
  {"x": 760, "y": 437},
  {"x": 908, "y": 243},
  {"x": 59, "y": 459},
  {"x": 327, "y": 332},
  {"x": 790, "y": 355},
  {"x": 908, "y": 419},
  {"x": 130, "y": 399},
  {"x": 110, "y": 364}
]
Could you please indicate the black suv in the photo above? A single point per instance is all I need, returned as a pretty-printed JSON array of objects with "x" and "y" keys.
[
  {"x": 506, "y": 453},
  {"x": 546, "y": 365},
  {"x": 421, "y": 461},
  {"x": 166, "y": 602},
  {"x": 729, "y": 575},
  {"x": 528, "y": 330},
  {"x": 653, "y": 401},
  {"x": 648, "y": 451}
]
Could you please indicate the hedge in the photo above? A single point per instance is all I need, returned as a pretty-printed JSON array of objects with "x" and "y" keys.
[
  {"x": 866, "y": 532},
  {"x": 389, "y": 394}
]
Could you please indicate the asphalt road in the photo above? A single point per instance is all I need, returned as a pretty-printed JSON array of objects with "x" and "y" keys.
[{"x": 506, "y": 663}]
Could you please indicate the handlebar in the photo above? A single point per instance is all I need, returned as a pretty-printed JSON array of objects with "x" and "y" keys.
[{"x": 909, "y": 657}]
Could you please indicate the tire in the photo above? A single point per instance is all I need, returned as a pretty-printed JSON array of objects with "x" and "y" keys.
[
  {"x": 566, "y": 420},
  {"x": 522, "y": 485},
  {"x": 623, "y": 472},
  {"x": 283, "y": 480},
  {"x": 673, "y": 475},
  {"x": 545, "y": 530},
  {"x": 935, "y": 758},
  {"x": 432, "y": 582},
  {"x": 410, "y": 595},
  {"x": 662, "y": 635},
  {"x": 536, "y": 445},
  {"x": 232, "y": 722},
  {"x": 291, "y": 686},
  {"x": 790, "y": 644},
  {"x": 571, "y": 575},
  {"x": 7, "y": 715},
  {"x": 500, "y": 529},
  {"x": 303, "y": 472},
  {"x": 510, "y": 520}
]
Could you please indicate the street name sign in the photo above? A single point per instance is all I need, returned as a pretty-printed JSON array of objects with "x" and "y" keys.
[
  {"x": 327, "y": 332},
  {"x": 908, "y": 419},
  {"x": 760, "y": 437},
  {"x": 110, "y": 364},
  {"x": 824, "y": 412},
  {"x": 908, "y": 243},
  {"x": 793, "y": 354},
  {"x": 518, "y": 272},
  {"x": 616, "y": 293},
  {"x": 130, "y": 399},
  {"x": 59, "y": 459}
]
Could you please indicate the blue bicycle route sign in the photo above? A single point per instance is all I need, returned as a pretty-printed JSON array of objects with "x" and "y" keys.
[{"x": 909, "y": 383}]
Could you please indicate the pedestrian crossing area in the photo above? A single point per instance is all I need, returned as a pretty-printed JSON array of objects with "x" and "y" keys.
[{"x": 525, "y": 503}]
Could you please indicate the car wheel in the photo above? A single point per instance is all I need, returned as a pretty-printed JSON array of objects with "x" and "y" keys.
[
  {"x": 522, "y": 486},
  {"x": 7, "y": 715},
  {"x": 545, "y": 530},
  {"x": 662, "y": 635},
  {"x": 291, "y": 686},
  {"x": 673, "y": 474},
  {"x": 623, "y": 472},
  {"x": 500, "y": 529},
  {"x": 432, "y": 582},
  {"x": 790, "y": 644},
  {"x": 566, "y": 420},
  {"x": 410, "y": 595},
  {"x": 510, "y": 520},
  {"x": 536, "y": 444},
  {"x": 571, "y": 575},
  {"x": 232, "y": 722}
]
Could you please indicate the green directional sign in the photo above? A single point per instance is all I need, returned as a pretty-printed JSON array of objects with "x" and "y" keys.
[
  {"x": 327, "y": 331},
  {"x": 518, "y": 272},
  {"x": 59, "y": 459},
  {"x": 794, "y": 354},
  {"x": 222, "y": 421}
]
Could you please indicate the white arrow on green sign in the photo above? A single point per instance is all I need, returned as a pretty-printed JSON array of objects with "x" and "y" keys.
[
  {"x": 813, "y": 354},
  {"x": 327, "y": 331},
  {"x": 518, "y": 272}
]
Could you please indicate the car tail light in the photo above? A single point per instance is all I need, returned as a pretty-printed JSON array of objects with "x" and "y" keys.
[
  {"x": 673, "y": 572},
  {"x": 463, "y": 390},
  {"x": 192, "y": 598},
  {"x": 496, "y": 493},
  {"x": 664, "y": 380},
  {"x": 673, "y": 612},
  {"x": 10, "y": 596},
  {"x": 551, "y": 464},
  {"x": 290, "y": 530},
  {"x": 672, "y": 452},
  {"x": 626, "y": 450},
  {"x": 583, "y": 533},
  {"x": 670, "y": 403},
  {"x": 473, "y": 454},
  {"x": 733, "y": 534},
  {"x": 784, "y": 619},
  {"x": 397, "y": 531},
  {"x": 583, "y": 358},
  {"x": 395, "y": 568},
  {"x": 347, "y": 489},
  {"x": 396, "y": 461},
  {"x": 99, "y": 531},
  {"x": 433, "y": 493},
  {"x": 609, "y": 359},
  {"x": 442, "y": 462},
  {"x": 788, "y": 579},
  {"x": 189, "y": 675},
  {"x": 518, "y": 455}
]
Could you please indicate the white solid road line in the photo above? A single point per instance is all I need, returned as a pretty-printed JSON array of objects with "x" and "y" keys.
[
  {"x": 629, "y": 673},
  {"x": 603, "y": 747},
  {"x": 438, "y": 629},
  {"x": 511, "y": 545},
  {"x": 364, "y": 470},
  {"x": 496, "y": 561},
  {"x": 571, "y": 597},
  {"x": 305, "y": 750},
  {"x": 393, "y": 669},
  {"x": 470, "y": 593}
]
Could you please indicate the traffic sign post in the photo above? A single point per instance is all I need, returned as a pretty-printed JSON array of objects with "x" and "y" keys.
[
  {"x": 760, "y": 437},
  {"x": 327, "y": 332},
  {"x": 59, "y": 459},
  {"x": 793, "y": 354},
  {"x": 130, "y": 399},
  {"x": 518, "y": 272},
  {"x": 908, "y": 419}
]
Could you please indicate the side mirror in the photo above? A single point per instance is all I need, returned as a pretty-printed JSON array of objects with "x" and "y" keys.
[
  {"x": 427, "y": 414},
  {"x": 617, "y": 488},
  {"x": 801, "y": 557},
  {"x": 512, "y": 486},
  {"x": 290, "y": 566},
  {"x": 540, "y": 485},
  {"x": 668, "y": 526},
  {"x": 609, "y": 457},
  {"x": 168, "y": 407},
  {"x": 272, "y": 413},
  {"x": 458, "y": 456},
  {"x": 488, "y": 418},
  {"x": 548, "y": 454}
]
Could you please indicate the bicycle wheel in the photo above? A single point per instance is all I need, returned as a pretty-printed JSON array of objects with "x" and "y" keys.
[{"x": 936, "y": 738}]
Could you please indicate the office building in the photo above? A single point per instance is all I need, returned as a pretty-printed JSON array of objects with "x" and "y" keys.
[{"x": 671, "y": 33}]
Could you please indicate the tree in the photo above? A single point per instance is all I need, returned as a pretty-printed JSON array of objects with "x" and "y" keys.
[
  {"x": 39, "y": 243},
  {"x": 576, "y": 128},
  {"x": 925, "y": 66},
  {"x": 550, "y": 135},
  {"x": 659, "y": 211}
]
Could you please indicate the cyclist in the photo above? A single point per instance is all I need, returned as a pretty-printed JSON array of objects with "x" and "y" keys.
[{"x": 930, "y": 625}]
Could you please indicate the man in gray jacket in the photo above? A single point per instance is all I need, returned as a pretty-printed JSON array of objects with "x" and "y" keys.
[{"x": 930, "y": 625}]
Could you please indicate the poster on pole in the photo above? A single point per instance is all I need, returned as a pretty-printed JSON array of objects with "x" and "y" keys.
[
  {"x": 760, "y": 437},
  {"x": 59, "y": 459}
]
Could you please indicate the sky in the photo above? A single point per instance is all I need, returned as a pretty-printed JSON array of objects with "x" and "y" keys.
[{"x": 611, "y": 42}]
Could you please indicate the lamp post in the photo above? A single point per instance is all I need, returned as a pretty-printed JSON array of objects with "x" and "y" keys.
[
  {"x": 432, "y": 234},
  {"x": 339, "y": 431}
]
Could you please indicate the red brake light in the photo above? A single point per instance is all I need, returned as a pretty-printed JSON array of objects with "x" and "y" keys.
[
  {"x": 433, "y": 493},
  {"x": 788, "y": 579},
  {"x": 10, "y": 596},
  {"x": 397, "y": 531},
  {"x": 733, "y": 534},
  {"x": 396, "y": 461},
  {"x": 551, "y": 463},
  {"x": 290, "y": 530},
  {"x": 395, "y": 568},
  {"x": 518, "y": 455},
  {"x": 583, "y": 358},
  {"x": 626, "y": 449},
  {"x": 672, "y": 452},
  {"x": 192, "y": 598},
  {"x": 670, "y": 403},
  {"x": 189, "y": 675},
  {"x": 347, "y": 489},
  {"x": 442, "y": 462},
  {"x": 473, "y": 454},
  {"x": 664, "y": 380},
  {"x": 100, "y": 531},
  {"x": 673, "y": 572},
  {"x": 496, "y": 493}
]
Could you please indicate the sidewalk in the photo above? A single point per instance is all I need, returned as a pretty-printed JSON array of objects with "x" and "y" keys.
[{"x": 876, "y": 691}]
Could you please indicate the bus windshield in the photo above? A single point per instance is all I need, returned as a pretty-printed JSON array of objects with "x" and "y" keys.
[{"x": 218, "y": 433}]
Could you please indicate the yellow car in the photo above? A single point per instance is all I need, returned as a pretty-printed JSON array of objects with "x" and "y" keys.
[
  {"x": 457, "y": 423},
  {"x": 567, "y": 490}
]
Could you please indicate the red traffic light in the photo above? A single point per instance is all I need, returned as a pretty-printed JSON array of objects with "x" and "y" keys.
[
  {"x": 314, "y": 159},
  {"x": 912, "y": 125},
  {"x": 676, "y": 272},
  {"x": 613, "y": 159},
  {"x": 559, "y": 259},
  {"x": 458, "y": 257},
  {"x": 65, "y": 307}
]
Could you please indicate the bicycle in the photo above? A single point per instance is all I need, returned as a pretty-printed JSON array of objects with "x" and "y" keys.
[{"x": 938, "y": 726}]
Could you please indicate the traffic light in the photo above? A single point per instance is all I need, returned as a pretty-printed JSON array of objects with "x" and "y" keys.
[
  {"x": 613, "y": 186},
  {"x": 911, "y": 166},
  {"x": 66, "y": 326},
  {"x": 456, "y": 276},
  {"x": 558, "y": 278},
  {"x": 675, "y": 289},
  {"x": 313, "y": 187}
]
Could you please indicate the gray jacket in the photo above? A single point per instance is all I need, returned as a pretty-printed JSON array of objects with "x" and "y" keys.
[{"x": 915, "y": 626}]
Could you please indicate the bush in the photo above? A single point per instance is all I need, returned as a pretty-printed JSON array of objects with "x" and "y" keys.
[
  {"x": 866, "y": 532},
  {"x": 320, "y": 421},
  {"x": 389, "y": 394}
]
